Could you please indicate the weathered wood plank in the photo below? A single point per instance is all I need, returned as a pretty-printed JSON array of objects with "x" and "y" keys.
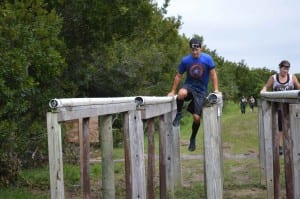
[
  {"x": 169, "y": 155},
  {"x": 108, "y": 175},
  {"x": 136, "y": 151},
  {"x": 212, "y": 155},
  {"x": 176, "y": 155},
  {"x": 287, "y": 145},
  {"x": 166, "y": 163},
  {"x": 295, "y": 126},
  {"x": 71, "y": 113},
  {"x": 149, "y": 111},
  {"x": 55, "y": 157},
  {"x": 262, "y": 154},
  {"x": 267, "y": 121},
  {"x": 151, "y": 159},
  {"x": 84, "y": 131},
  {"x": 127, "y": 153},
  {"x": 275, "y": 144},
  {"x": 162, "y": 159}
]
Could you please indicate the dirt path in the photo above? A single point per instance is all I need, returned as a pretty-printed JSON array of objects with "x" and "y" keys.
[{"x": 191, "y": 157}]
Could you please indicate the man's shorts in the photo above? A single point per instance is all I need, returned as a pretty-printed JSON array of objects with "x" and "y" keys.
[{"x": 197, "y": 101}]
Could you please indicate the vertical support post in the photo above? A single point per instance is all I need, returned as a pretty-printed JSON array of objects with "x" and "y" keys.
[
  {"x": 176, "y": 154},
  {"x": 261, "y": 137},
  {"x": 55, "y": 157},
  {"x": 212, "y": 153},
  {"x": 108, "y": 174},
  {"x": 166, "y": 162},
  {"x": 162, "y": 158},
  {"x": 275, "y": 141},
  {"x": 151, "y": 159},
  {"x": 267, "y": 128},
  {"x": 84, "y": 132},
  {"x": 287, "y": 145},
  {"x": 134, "y": 148},
  {"x": 295, "y": 126}
]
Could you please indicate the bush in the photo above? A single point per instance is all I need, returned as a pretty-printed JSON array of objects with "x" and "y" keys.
[{"x": 9, "y": 168}]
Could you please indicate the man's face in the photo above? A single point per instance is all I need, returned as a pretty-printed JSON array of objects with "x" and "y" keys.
[{"x": 196, "y": 52}]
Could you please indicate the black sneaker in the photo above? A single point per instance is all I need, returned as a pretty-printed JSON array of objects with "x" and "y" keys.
[
  {"x": 280, "y": 150},
  {"x": 177, "y": 119},
  {"x": 192, "y": 145}
]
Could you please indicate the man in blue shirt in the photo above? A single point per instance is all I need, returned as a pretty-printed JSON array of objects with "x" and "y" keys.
[{"x": 199, "y": 67}]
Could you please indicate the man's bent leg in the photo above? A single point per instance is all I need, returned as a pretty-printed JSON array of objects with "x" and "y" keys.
[
  {"x": 195, "y": 127},
  {"x": 179, "y": 101}
]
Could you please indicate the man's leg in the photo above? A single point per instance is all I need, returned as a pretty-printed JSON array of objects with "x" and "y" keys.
[
  {"x": 280, "y": 132},
  {"x": 195, "y": 127},
  {"x": 179, "y": 101},
  {"x": 280, "y": 141}
]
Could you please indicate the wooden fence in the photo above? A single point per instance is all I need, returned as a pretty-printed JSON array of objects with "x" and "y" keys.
[
  {"x": 289, "y": 103},
  {"x": 137, "y": 112}
]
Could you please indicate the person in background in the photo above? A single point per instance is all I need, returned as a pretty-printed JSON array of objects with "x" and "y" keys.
[
  {"x": 243, "y": 103},
  {"x": 199, "y": 68},
  {"x": 281, "y": 81},
  {"x": 251, "y": 103}
]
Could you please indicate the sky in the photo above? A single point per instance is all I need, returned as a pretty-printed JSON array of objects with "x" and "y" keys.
[{"x": 260, "y": 32}]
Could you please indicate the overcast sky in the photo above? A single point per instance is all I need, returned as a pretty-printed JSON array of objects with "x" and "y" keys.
[{"x": 260, "y": 32}]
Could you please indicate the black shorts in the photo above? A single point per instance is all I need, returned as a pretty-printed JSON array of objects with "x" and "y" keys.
[{"x": 197, "y": 101}]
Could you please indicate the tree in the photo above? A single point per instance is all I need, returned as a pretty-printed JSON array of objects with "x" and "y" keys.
[
  {"x": 117, "y": 47},
  {"x": 31, "y": 66}
]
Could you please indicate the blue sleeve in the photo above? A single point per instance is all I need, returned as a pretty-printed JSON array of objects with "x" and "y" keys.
[
  {"x": 181, "y": 67},
  {"x": 210, "y": 62}
]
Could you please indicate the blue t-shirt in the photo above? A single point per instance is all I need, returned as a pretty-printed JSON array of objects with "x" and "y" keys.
[{"x": 197, "y": 71}]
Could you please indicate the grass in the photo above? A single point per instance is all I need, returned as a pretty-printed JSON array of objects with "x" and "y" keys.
[
  {"x": 241, "y": 176},
  {"x": 12, "y": 193}
]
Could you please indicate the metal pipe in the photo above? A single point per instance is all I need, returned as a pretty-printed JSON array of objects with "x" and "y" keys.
[
  {"x": 56, "y": 103},
  {"x": 142, "y": 100},
  {"x": 291, "y": 94},
  {"x": 216, "y": 98}
]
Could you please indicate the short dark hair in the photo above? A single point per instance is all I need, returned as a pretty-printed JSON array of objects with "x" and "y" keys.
[
  {"x": 284, "y": 63},
  {"x": 195, "y": 42}
]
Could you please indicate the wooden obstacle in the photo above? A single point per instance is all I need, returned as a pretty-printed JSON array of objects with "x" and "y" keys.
[
  {"x": 136, "y": 110},
  {"x": 289, "y": 103}
]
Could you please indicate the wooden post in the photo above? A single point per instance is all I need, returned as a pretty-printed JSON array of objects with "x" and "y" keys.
[
  {"x": 151, "y": 159},
  {"x": 108, "y": 173},
  {"x": 166, "y": 168},
  {"x": 267, "y": 121},
  {"x": 55, "y": 157},
  {"x": 176, "y": 155},
  {"x": 262, "y": 153},
  {"x": 287, "y": 145},
  {"x": 162, "y": 159},
  {"x": 295, "y": 126},
  {"x": 212, "y": 153},
  {"x": 134, "y": 136},
  {"x": 275, "y": 147},
  {"x": 84, "y": 132}
]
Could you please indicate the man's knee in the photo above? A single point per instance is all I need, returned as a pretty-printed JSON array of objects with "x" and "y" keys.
[
  {"x": 196, "y": 118},
  {"x": 182, "y": 93}
]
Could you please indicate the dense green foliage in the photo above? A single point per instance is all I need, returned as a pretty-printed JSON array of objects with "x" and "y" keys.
[
  {"x": 30, "y": 61},
  {"x": 95, "y": 48}
]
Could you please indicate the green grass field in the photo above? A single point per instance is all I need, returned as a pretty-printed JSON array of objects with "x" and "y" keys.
[{"x": 241, "y": 175}]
